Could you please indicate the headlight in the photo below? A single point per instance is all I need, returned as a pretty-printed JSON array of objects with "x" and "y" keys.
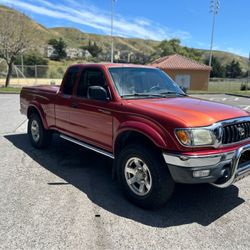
[{"x": 195, "y": 137}]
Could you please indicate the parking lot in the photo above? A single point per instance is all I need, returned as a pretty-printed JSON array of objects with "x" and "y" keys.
[
  {"x": 241, "y": 102},
  {"x": 64, "y": 197}
]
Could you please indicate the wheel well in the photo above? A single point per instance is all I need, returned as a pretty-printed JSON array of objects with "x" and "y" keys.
[
  {"x": 32, "y": 110},
  {"x": 132, "y": 137}
]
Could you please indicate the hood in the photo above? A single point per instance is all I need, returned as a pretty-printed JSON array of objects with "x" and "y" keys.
[{"x": 193, "y": 112}]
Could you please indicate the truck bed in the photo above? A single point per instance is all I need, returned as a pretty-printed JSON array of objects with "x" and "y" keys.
[
  {"x": 42, "y": 88},
  {"x": 40, "y": 96}
]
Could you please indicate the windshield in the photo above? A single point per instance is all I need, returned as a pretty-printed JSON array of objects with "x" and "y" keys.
[{"x": 143, "y": 82}]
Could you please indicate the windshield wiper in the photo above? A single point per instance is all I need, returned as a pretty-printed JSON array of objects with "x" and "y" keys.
[
  {"x": 172, "y": 93},
  {"x": 144, "y": 95}
]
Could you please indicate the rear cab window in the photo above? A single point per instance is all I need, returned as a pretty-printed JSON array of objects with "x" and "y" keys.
[{"x": 70, "y": 80}]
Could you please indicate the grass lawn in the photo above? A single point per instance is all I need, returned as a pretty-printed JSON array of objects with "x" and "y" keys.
[{"x": 10, "y": 90}]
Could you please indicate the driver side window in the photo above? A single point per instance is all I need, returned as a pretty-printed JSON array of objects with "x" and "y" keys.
[{"x": 90, "y": 77}]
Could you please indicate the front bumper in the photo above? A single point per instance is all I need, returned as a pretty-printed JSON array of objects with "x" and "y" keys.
[{"x": 220, "y": 169}]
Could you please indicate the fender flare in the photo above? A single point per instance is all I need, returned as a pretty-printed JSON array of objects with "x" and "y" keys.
[
  {"x": 148, "y": 131},
  {"x": 40, "y": 111}
]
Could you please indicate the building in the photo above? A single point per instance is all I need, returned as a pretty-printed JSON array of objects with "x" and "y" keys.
[
  {"x": 188, "y": 73},
  {"x": 72, "y": 53},
  {"x": 49, "y": 51}
]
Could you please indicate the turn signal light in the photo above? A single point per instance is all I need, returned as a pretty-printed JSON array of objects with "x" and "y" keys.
[{"x": 183, "y": 136}]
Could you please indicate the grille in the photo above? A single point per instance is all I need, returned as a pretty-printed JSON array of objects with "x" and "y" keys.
[{"x": 236, "y": 132}]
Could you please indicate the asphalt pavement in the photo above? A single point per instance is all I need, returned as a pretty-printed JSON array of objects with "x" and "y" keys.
[
  {"x": 64, "y": 198},
  {"x": 241, "y": 102}
]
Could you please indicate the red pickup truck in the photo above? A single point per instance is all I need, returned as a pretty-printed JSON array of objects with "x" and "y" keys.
[{"x": 138, "y": 116}]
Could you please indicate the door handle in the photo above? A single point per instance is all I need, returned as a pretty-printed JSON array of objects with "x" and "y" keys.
[{"x": 74, "y": 105}]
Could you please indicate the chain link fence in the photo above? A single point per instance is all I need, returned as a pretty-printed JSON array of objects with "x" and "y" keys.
[
  {"x": 224, "y": 85},
  {"x": 25, "y": 75}
]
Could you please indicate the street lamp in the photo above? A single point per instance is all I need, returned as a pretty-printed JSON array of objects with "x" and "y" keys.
[
  {"x": 214, "y": 10},
  {"x": 112, "y": 28}
]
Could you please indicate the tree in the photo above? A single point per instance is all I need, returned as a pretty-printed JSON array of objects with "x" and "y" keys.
[
  {"x": 93, "y": 48},
  {"x": 173, "y": 46},
  {"x": 217, "y": 69},
  {"x": 59, "y": 47},
  {"x": 233, "y": 69},
  {"x": 15, "y": 38}
]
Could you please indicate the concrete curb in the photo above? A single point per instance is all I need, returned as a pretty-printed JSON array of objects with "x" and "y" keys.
[
  {"x": 208, "y": 93},
  {"x": 238, "y": 95},
  {"x": 15, "y": 93}
]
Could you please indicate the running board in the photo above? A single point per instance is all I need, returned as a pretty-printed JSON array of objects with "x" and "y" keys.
[{"x": 100, "y": 151}]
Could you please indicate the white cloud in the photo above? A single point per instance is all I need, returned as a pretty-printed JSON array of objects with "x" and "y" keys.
[
  {"x": 237, "y": 51},
  {"x": 90, "y": 16}
]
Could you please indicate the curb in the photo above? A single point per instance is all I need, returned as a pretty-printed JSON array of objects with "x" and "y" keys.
[
  {"x": 238, "y": 95},
  {"x": 11, "y": 93}
]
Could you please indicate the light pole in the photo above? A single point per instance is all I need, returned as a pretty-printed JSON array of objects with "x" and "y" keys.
[
  {"x": 248, "y": 72},
  {"x": 214, "y": 10},
  {"x": 112, "y": 28}
]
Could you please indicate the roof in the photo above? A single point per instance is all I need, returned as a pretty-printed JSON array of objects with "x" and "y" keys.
[
  {"x": 179, "y": 62},
  {"x": 111, "y": 65}
]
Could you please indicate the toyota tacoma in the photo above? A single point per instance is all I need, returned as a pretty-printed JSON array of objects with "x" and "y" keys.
[{"x": 138, "y": 116}]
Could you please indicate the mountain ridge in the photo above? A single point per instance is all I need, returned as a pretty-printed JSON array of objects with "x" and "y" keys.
[{"x": 76, "y": 38}]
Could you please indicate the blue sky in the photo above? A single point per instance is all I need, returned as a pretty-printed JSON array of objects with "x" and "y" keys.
[{"x": 188, "y": 20}]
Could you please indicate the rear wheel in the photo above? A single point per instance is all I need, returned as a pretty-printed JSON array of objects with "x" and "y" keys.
[
  {"x": 38, "y": 135},
  {"x": 144, "y": 177}
]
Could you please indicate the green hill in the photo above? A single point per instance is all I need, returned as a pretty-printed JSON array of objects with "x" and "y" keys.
[{"x": 139, "y": 47}]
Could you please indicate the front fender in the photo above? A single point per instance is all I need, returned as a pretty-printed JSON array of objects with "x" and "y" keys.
[{"x": 152, "y": 132}]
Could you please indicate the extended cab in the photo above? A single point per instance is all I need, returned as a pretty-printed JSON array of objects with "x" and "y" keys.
[{"x": 138, "y": 116}]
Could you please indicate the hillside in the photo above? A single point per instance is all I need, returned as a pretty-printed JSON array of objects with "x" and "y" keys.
[{"x": 139, "y": 47}]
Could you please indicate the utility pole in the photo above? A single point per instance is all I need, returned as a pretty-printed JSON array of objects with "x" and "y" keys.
[
  {"x": 214, "y": 10},
  {"x": 248, "y": 72},
  {"x": 112, "y": 29}
]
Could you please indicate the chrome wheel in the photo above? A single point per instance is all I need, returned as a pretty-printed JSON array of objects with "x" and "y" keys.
[
  {"x": 35, "y": 131},
  {"x": 138, "y": 176}
]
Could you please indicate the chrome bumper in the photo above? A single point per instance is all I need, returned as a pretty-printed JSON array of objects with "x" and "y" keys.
[
  {"x": 237, "y": 173},
  {"x": 198, "y": 161},
  {"x": 211, "y": 162}
]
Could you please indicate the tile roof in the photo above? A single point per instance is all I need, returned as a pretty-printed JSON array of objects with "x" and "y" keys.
[{"x": 179, "y": 62}]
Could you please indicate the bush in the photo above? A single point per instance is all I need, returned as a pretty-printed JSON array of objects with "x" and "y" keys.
[
  {"x": 30, "y": 60},
  {"x": 244, "y": 86}
]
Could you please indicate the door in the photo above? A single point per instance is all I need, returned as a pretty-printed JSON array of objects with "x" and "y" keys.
[
  {"x": 63, "y": 99},
  {"x": 183, "y": 81},
  {"x": 91, "y": 120}
]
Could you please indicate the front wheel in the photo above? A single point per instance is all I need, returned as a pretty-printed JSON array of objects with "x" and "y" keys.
[
  {"x": 144, "y": 177},
  {"x": 38, "y": 135}
]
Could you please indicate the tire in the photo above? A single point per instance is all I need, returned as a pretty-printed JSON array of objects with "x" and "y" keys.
[
  {"x": 38, "y": 135},
  {"x": 144, "y": 177}
]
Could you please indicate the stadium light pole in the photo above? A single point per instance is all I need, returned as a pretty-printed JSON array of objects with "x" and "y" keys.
[
  {"x": 112, "y": 29},
  {"x": 214, "y": 10},
  {"x": 248, "y": 72}
]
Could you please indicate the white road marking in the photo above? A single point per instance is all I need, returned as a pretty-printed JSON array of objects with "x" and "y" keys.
[
  {"x": 224, "y": 99},
  {"x": 236, "y": 99},
  {"x": 246, "y": 108},
  {"x": 211, "y": 99}
]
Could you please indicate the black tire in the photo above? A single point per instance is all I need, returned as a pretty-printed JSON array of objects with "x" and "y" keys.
[
  {"x": 162, "y": 184},
  {"x": 44, "y": 136}
]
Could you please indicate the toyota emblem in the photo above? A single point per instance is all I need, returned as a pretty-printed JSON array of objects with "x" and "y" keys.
[{"x": 241, "y": 131}]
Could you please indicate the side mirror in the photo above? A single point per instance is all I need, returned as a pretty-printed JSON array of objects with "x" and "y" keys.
[
  {"x": 97, "y": 93},
  {"x": 184, "y": 89}
]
